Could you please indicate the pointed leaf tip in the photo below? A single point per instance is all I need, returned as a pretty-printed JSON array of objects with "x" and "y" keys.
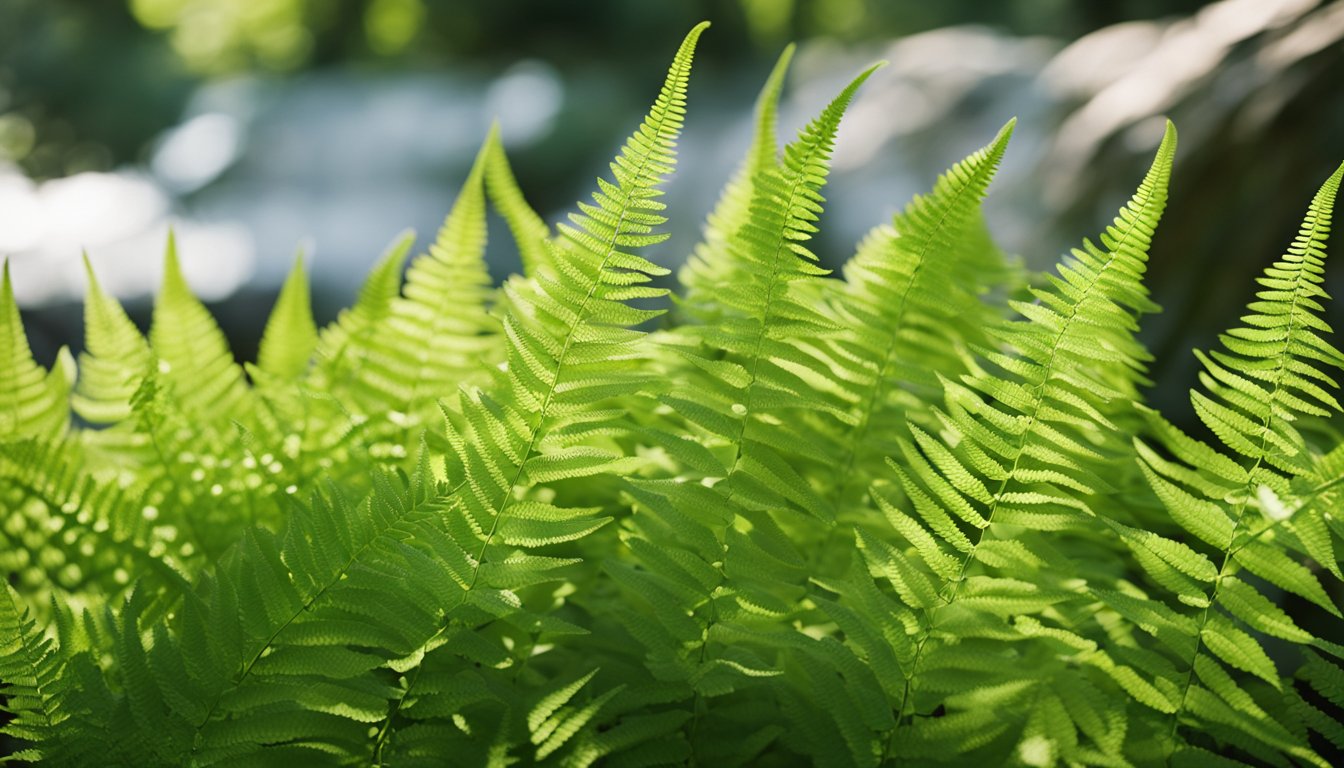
[
  {"x": 1005, "y": 134},
  {"x": 89, "y": 275},
  {"x": 173, "y": 278},
  {"x": 860, "y": 79},
  {"x": 688, "y": 44},
  {"x": 1167, "y": 149},
  {"x": 1169, "y": 132},
  {"x": 290, "y": 336},
  {"x": 296, "y": 270}
]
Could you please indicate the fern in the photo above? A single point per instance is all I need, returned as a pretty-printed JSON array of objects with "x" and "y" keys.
[
  {"x": 713, "y": 264},
  {"x": 1015, "y": 456},
  {"x": 290, "y": 336},
  {"x": 33, "y": 402},
  {"x": 530, "y": 232},
  {"x": 1241, "y": 505},
  {"x": 913, "y": 514},
  {"x": 568, "y": 333},
  {"x": 910, "y": 301}
]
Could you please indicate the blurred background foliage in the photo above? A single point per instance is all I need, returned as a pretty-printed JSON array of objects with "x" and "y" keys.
[
  {"x": 87, "y": 83},
  {"x": 256, "y": 127}
]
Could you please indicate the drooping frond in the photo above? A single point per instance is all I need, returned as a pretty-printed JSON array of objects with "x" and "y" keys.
[
  {"x": 1255, "y": 511},
  {"x": 530, "y": 232},
  {"x": 33, "y": 403},
  {"x": 254, "y": 656},
  {"x": 290, "y": 337}
]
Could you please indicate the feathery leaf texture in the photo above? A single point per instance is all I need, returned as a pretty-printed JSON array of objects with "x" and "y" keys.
[{"x": 913, "y": 513}]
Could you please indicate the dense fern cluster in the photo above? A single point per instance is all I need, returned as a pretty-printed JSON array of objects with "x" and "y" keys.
[{"x": 916, "y": 513}]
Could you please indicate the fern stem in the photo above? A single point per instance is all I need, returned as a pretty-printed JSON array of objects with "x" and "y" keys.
[{"x": 382, "y": 739}]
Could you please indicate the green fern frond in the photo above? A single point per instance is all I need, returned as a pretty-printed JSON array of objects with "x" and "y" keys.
[
  {"x": 711, "y": 555},
  {"x": 33, "y": 402},
  {"x": 32, "y": 678},
  {"x": 418, "y": 347},
  {"x": 290, "y": 336},
  {"x": 339, "y": 344},
  {"x": 910, "y": 305},
  {"x": 1016, "y": 456},
  {"x": 530, "y": 232},
  {"x": 193, "y": 355},
  {"x": 712, "y": 265},
  {"x": 1267, "y": 376},
  {"x": 69, "y": 533},
  {"x": 266, "y": 651},
  {"x": 114, "y": 359},
  {"x": 570, "y": 348}
]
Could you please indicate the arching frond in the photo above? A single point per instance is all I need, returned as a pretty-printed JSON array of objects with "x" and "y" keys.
[
  {"x": 1016, "y": 457},
  {"x": 420, "y": 346},
  {"x": 530, "y": 232},
  {"x": 570, "y": 349},
  {"x": 911, "y": 307}
]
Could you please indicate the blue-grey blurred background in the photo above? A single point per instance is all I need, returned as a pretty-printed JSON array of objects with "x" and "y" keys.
[{"x": 258, "y": 128}]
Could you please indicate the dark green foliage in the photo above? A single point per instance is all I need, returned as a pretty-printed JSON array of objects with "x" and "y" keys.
[{"x": 916, "y": 514}]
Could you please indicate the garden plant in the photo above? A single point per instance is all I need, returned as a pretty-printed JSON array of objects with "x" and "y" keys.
[{"x": 913, "y": 513}]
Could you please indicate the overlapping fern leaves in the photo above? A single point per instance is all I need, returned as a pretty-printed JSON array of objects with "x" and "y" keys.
[{"x": 914, "y": 514}]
